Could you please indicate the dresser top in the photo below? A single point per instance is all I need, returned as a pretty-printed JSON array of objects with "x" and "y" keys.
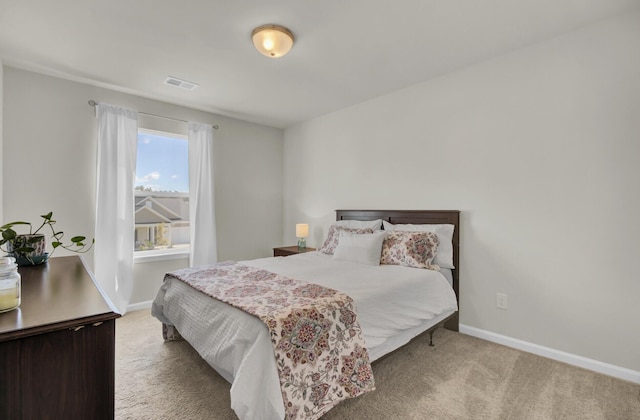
[{"x": 56, "y": 295}]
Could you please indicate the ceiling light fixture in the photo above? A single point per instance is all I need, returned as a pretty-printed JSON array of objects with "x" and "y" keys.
[{"x": 272, "y": 40}]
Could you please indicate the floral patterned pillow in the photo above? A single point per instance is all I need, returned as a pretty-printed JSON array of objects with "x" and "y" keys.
[
  {"x": 333, "y": 237},
  {"x": 410, "y": 249}
]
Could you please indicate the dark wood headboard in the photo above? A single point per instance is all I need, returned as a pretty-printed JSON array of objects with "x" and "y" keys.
[{"x": 418, "y": 217}]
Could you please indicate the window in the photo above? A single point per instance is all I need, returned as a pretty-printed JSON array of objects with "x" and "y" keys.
[{"x": 161, "y": 194}]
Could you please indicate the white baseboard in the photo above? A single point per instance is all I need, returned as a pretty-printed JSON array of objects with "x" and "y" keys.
[
  {"x": 139, "y": 305},
  {"x": 561, "y": 356}
]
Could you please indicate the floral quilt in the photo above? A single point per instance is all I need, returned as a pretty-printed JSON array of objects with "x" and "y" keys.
[{"x": 317, "y": 341}]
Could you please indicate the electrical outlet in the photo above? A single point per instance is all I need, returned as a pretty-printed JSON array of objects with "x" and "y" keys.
[{"x": 501, "y": 301}]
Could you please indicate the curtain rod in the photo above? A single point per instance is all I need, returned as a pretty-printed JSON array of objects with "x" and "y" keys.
[{"x": 94, "y": 103}]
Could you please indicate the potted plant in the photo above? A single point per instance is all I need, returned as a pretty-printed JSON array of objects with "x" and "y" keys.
[{"x": 30, "y": 248}]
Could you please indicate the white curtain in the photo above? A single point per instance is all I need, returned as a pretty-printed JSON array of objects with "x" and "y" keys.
[
  {"x": 117, "y": 146},
  {"x": 202, "y": 218}
]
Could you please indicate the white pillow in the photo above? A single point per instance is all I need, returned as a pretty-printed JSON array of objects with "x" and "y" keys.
[
  {"x": 363, "y": 248},
  {"x": 446, "y": 272},
  {"x": 444, "y": 256},
  {"x": 361, "y": 224}
]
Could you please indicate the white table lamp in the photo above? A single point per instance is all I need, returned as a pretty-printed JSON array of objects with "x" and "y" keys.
[{"x": 302, "y": 233}]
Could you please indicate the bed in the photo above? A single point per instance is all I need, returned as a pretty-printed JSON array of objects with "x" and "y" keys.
[{"x": 391, "y": 313}]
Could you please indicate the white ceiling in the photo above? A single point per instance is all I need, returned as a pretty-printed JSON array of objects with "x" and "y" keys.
[{"x": 346, "y": 51}]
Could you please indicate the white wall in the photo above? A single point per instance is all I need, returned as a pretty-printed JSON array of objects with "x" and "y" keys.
[
  {"x": 1, "y": 149},
  {"x": 49, "y": 160},
  {"x": 539, "y": 150}
]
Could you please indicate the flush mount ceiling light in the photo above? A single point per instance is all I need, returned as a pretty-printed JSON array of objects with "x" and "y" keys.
[{"x": 272, "y": 40}]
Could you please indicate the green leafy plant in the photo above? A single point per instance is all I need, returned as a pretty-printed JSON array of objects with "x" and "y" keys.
[{"x": 25, "y": 245}]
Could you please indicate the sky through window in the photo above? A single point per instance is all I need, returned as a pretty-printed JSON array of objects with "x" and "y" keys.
[{"x": 162, "y": 163}]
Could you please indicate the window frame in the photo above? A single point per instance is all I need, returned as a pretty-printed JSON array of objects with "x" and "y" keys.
[{"x": 145, "y": 256}]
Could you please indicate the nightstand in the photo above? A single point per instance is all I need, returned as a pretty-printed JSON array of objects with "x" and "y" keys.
[{"x": 284, "y": 251}]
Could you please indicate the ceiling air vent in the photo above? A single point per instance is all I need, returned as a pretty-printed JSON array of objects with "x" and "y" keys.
[{"x": 174, "y": 81}]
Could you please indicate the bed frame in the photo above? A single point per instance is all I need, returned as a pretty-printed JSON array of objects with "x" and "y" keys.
[{"x": 419, "y": 217}]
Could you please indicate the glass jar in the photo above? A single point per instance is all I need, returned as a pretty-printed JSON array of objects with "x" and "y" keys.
[{"x": 9, "y": 284}]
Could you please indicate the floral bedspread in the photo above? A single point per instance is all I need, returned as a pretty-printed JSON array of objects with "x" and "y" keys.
[{"x": 317, "y": 341}]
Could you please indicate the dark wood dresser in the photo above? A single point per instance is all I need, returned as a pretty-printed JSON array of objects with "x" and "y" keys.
[{"x": 57, "y": 350}]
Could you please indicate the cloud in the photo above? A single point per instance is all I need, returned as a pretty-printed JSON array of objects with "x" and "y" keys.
[{"x": 151, "y": 176}]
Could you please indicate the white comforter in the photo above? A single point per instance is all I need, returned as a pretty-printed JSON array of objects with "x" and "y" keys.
[{"x": 394, "y": 304}]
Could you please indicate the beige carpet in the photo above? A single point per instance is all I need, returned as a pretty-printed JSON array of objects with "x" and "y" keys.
[{"x": 460, "y": 378}]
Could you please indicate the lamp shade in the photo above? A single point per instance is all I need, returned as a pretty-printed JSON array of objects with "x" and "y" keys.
[
  {"x": 272, "y": 40},
  {"x": 302, "y": 230}
]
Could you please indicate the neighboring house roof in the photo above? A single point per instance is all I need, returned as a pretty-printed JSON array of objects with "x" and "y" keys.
[
  {"x": 147, "y": 215},
  {"x": 174, "y": 203},
  {"x": 159, "y": 208}
]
